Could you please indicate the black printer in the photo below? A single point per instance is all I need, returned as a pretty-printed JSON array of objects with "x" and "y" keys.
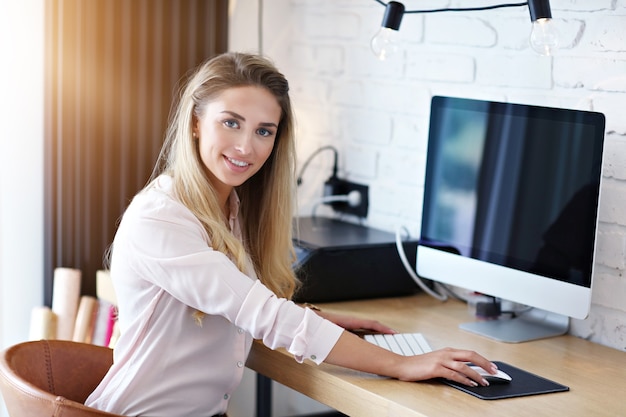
[{"x": 339, "y": 261}]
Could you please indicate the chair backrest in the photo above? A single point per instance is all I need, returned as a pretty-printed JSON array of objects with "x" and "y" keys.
[{"x": 52, "y": 378}]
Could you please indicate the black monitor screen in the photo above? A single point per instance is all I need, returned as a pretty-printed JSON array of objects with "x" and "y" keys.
[{"x": 515, "y": 185}]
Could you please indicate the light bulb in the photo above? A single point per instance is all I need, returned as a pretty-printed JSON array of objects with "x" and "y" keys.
[
  {"x": 385, "y": 43},
  {"x": 544, "y": 38}
]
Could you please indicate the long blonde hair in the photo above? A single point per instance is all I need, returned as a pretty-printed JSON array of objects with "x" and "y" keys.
[{"x": 267, "y": 198}]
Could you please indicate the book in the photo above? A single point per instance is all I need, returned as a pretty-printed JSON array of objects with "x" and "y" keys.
[
  {"x": 104, "y": 286},
  {"x": 65, "y": 300},
  {"x": 108, "y": 332},
  {"x": 104, "y": 323},
  {"x": 85, "y": 319},
  {"x": 115, "y": 332},
  {"x": 43, "y": 324}
]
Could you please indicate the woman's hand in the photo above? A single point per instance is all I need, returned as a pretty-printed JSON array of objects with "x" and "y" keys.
[
  {"x": 352, "y": 352},
  {"x": 448, "y": 363},
  {"x": 356, "y": 324}
]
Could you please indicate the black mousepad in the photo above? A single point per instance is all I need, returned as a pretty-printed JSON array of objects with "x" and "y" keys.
[{"x": 522, "y": 383}]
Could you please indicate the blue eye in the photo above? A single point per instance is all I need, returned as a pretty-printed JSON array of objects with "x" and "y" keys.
[
  {"x": 264, "y": 132},
  {"x": 231, "y": 123}
]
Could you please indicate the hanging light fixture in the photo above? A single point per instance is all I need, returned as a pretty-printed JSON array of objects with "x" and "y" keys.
[
  {"x": 543, "y": 38},
  {"x": 385, "y": 43}
]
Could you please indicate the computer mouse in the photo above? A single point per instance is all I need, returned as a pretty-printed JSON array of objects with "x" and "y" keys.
[{"x": 499, "y": 377}]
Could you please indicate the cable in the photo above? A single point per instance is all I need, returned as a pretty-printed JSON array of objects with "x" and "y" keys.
[
  {"x": 353, "y": 198},
  {"x": 308, "y": 161},
  {"x": 413, "y": 274},
  {"x": 462, "y": 9}
]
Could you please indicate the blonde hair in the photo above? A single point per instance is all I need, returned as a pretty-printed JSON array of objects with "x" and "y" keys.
[{"x": 267, "y": 198}]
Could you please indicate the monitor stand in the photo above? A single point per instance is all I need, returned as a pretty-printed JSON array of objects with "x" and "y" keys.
[{"x": 532, "y": 325}]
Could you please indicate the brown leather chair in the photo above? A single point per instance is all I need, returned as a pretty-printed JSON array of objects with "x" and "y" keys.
[{"x": 52, "y": 378}]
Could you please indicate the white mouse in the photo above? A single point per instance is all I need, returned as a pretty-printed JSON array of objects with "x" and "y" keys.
[{"x": 500, "y": 376}]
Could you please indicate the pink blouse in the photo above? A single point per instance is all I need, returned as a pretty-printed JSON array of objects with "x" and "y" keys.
[{"x": 164, "y": 269}]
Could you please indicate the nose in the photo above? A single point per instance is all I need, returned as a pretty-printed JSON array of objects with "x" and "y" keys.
[{"x": 243, "y": 145}]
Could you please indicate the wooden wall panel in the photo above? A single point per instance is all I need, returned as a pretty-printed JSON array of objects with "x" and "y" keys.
[{"x": 112, "y": 68}]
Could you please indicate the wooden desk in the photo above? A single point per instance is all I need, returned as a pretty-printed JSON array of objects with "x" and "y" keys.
[{"x": 595, "y": 374}]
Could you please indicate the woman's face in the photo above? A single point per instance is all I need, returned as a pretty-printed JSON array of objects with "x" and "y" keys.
[{"x": 236, "y": 135}]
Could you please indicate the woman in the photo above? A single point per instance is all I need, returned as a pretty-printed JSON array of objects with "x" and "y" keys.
[{"x": 201, "y": 262}]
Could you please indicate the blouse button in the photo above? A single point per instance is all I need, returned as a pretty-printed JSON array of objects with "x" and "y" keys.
[
  {"x": 226, "y": 396},
  {"x": 239, "y": 364},
  {"x": 240, "y": 330},
  {"x": 313, "y": 357}
]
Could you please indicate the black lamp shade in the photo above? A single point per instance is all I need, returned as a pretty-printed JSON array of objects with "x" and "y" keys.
[
  {"x": 539, "y": 9},
  {"x": 393, "y": 15}
]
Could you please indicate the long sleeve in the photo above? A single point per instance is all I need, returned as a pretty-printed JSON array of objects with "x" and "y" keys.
[{"x": 164, "y": 269}]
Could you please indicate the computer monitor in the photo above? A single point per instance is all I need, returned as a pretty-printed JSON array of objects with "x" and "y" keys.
[{"x": 510, "y": 209}]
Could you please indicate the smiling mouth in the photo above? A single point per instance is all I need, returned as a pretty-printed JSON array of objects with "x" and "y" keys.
[{"x": 236, "y": 162}]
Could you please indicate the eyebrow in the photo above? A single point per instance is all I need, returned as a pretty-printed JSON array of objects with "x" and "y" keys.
[{"x": 238, "y": 116}]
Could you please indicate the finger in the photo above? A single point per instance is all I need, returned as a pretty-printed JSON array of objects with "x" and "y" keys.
[
  {"x": 462, "y": 373},
  {"x": 366, "y": 325},
  {"x": 484, "y": 363},
  {"x": 475, "y": 358},
  {"x": 474, "y": 376},
  {"x": 458, "y": 363},
  {"x": 469, "y": 377},
  {"x": 379, "y": 327}
]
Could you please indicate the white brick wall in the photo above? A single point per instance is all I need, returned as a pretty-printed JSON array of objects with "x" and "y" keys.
[{"x": 376, "y": 113}]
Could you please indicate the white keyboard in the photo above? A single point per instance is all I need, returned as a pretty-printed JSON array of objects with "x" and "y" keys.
[{"x": 406, "y": 344}]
